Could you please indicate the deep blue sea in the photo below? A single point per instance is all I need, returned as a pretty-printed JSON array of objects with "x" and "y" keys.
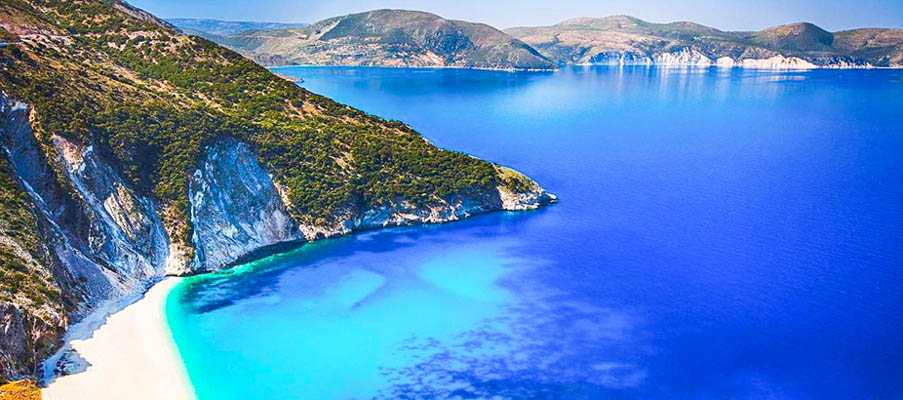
[{"x": 721, "y": 234}]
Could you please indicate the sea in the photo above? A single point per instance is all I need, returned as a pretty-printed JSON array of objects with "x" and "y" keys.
[{"x": 720, "y": 234}]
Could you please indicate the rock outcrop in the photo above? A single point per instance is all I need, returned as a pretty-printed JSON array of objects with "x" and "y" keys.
[
  {"x": 235, "y": 207},
  {"x": 131, "y": 151},
  {"x": 694, "y": 58},
  {"x": 24, "y": 339},
  {"x": 106, "y": 242}
]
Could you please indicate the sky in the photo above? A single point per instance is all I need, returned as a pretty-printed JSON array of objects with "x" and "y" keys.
[{"x": 723, "y": 14}]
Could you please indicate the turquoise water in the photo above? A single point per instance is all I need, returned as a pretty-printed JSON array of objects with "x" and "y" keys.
[{"x": 721, "y": 234}]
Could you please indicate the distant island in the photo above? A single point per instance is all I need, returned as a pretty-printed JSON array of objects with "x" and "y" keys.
[
  {"x": 401, "y": 38},
  {"x": 395, "y": 38},
  {"x": 627, "y": 40}
]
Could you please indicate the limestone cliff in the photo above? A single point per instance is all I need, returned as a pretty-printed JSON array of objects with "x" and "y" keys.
[
  {"x": 131, "y": 151},
  {"x": 235, "y": 207},
  {"x": 113, "y": 243}
]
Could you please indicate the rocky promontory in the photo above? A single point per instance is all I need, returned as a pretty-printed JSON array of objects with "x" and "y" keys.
[{"x": 131, "y": 151}]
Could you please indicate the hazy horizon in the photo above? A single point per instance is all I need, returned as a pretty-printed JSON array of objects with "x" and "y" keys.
[{"x": 833, "y": 15}]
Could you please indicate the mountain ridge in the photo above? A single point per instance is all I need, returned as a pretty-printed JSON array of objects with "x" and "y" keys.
[
  {"x": 405, "y": 38},
  {"x": 628, "y": 40},
  {"x": 385, "y": 37}
]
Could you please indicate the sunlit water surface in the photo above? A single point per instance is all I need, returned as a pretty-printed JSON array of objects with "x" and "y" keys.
[{"x": 720, "y": 235}]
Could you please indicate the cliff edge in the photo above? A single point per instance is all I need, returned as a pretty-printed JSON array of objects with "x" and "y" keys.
[{"x": 131, "y": 151}]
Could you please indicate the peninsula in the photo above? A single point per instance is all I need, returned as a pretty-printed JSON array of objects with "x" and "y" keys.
[{"x": 131, "y": 151}]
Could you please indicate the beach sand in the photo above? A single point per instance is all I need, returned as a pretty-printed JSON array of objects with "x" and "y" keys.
[{"x": 132, "y": 356}]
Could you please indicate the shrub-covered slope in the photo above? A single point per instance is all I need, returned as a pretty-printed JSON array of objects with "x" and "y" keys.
[
  {"x": 119, "y": 134},
  {"x": 396, "y": 38},
  {"x": 628, "y": 40}
]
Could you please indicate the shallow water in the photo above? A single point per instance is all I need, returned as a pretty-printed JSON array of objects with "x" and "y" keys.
[{"x": 721, "y": 234}]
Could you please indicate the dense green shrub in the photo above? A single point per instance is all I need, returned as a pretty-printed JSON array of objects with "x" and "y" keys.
[{"x": 151, "y": 98}]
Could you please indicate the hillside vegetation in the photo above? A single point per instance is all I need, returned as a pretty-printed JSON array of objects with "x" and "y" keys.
[
  {"x": 100, "y": 79},
  {"x": 397, "y": 38},
  {"x": 590, "y": 40},
  {"x": 152, "y": 97},
  {"x": 402, "y": 38}
]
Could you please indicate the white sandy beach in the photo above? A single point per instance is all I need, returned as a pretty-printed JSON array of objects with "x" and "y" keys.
[{"x": 132, "y": 356}]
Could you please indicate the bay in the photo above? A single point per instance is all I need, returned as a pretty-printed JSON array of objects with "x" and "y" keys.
[{"x": 721, "y": 234}]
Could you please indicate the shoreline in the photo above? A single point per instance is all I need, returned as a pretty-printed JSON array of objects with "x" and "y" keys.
[
  {"x": 435, "y": 67},
  {"x": 131, "y": 356},
  {"x": 662, "y": 66},
  {"x": 105, "y": 360}
]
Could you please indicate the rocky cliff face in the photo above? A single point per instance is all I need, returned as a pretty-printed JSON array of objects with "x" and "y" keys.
[
  {"x": 694, "y": 58},
  {"x": 105, "y": 242},
  {"x": 125, "y": 233},
  {"x": 235, "y": 207},
  {"x": 21, "y": 333},
  {"x": 105, "y": 235},
  {"x": 32, "y": 313},
  {"x": 131, "y": 151},
  {"x": 98, "y": 239}
]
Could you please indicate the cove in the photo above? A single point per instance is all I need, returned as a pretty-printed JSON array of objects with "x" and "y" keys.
[{"x": 720, "y": 234}]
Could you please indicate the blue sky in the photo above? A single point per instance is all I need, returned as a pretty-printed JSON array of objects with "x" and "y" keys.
[{"x": 724, "y": 14}]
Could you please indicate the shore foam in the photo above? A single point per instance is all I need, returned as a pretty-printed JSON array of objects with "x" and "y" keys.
[{"x": 132, "y": 356}]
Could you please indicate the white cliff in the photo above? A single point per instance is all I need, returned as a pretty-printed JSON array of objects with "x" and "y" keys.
[
  {"x": 235, "y": 207},
  {"x": 688, "y": 57},
  {"x": 106, "y": 243}
]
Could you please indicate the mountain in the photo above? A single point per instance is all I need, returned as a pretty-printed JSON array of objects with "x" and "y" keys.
[
  {"x": 131, "y": 151},
  {"x": 225, "y": 28},
  {"x": 628, "y": 40},
  {"x": 417, "y": 39},
  {"x": 396, "y": 38}
]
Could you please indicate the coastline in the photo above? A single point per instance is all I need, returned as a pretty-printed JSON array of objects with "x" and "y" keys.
[
  {"x": 428, "y": 67},
  {"x": 653, "y": 65},
  {"x": 131, "y": 356}
]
